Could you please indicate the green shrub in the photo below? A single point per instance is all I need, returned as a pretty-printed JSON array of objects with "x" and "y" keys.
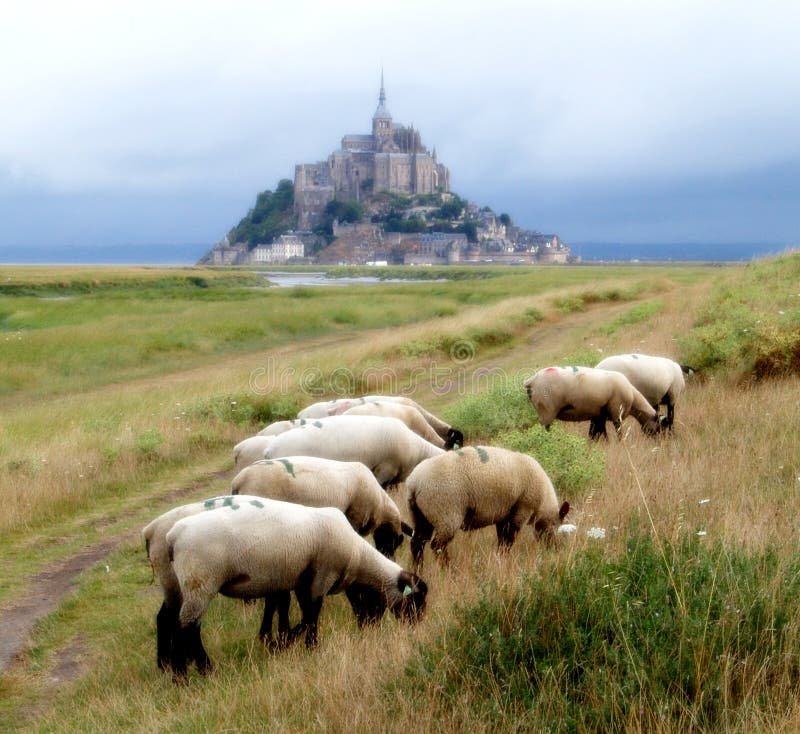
[
  {"x": 503, "y": 407},
  {"x": 245, "y": 408},
  {"x": 750, "y": 324},
  {"x": 675, "y": 637},
  {"x": 149, "y": 441}
]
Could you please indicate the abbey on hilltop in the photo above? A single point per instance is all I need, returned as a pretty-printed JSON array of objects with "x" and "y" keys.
[{"x": 391, "y": 158}]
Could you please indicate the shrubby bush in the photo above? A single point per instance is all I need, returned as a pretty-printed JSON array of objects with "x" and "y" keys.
[{"x": 677, "y": 637}]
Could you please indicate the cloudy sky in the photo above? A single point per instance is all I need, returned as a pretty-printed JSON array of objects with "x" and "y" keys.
[{"x": 614, "y": 121}]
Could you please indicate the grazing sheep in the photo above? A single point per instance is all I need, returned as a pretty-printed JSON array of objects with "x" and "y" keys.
[
  {"x": 337, "y": 407},
  {"x": 475, "y": 487},
  {"x": 278, "y": 427},
  {"x": 314, "y": 482},
  {"x": 406, "y": 413},
  {"x": 250, "y": 450},
  {"x": 387, "y": 446},
  {"x": 659, "y": 379},
  {"x": 588, "y": 394},
  {"x": 261, "y": 547},
  {"x": 167, "y": 628}
]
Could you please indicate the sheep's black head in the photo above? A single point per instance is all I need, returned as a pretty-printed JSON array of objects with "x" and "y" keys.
[
  {"x": 653, "y": 426},
  {"x": 414, "y": 590},
  {"x": 388, "y": 540},
  {"x": 545, "y": 527},
  {"x": 454, "y": 439}
]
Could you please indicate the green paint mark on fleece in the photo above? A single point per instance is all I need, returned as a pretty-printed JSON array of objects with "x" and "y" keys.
[
  {"x": 302, "y": 421},
  {"x": 288, "y": 465},
  {"x": 317, "y": 424},
  {"x": 230, "y": 502},
  {"x": 483, "y": 454},
  {"x": 635, "y": 356},
  {"x": 256, "y": 503}
]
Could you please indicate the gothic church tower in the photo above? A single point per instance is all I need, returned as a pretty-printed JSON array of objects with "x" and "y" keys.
[{"x": 382, "y": 128}]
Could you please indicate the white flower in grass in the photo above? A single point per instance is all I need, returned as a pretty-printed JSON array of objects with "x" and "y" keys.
[
  {"x": 597, "y": 533},
  {"x": 702, "y": 533},
  {"x": 705, "y": 501}
]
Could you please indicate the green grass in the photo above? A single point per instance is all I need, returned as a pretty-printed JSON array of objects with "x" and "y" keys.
[
  {"x": 678, "y": 635},
  {"x": 750, "y": 325}
]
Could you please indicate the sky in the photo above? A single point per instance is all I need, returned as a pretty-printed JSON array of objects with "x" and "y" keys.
[{"x": 132, "y": 124}]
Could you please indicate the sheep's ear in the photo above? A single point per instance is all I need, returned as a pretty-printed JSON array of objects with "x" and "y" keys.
[
  {"x": 562, "y": 513},
  {"x": 407, "y": 529}
]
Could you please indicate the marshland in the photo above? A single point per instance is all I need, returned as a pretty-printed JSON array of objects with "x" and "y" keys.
[{"x": 672, "y": 608}]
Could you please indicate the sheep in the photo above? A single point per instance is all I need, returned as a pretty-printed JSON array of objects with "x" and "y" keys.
[
  {"x": 406, "y": 413},
  {"x": 167, "y": 629},
  {"x": 475, "y": 487},
  {"x": 388, "y": 447},
  {"x": 250, "y": 450},
  {"x": 267, "y": 547},
  {"x": 659, "y": 379},
  {"x": 587, "y": 393},
  {"x": 336, "y": 407},
  {"x": 278, "y": 427},
  {"x": 315, "y": 482}
]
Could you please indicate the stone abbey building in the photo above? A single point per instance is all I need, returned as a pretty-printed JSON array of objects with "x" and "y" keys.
[{"x": 391, "y": 159}]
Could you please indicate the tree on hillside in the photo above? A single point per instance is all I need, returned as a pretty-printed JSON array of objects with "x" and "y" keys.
[
  {"x": 505, "y": 220},
  {"x": 272, "y": 215}
]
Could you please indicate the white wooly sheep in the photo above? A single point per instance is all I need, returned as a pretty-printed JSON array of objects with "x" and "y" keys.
[
  {"x": 340, "y": 405},
  {"x": 347, "y": 485},
  {"x": 278, "y": 427},
  {"x": 588, "y": 394},
  {"x": 659, "y": 379},
  {"x": 475, "y": 487},
  {"x": 266, "y": 547},
  {"x": 406, "y": 413},
  {"x": 250, "y": 450},
  {"x": 387, "y": 446},
  {"x": 167, "y": 627}
]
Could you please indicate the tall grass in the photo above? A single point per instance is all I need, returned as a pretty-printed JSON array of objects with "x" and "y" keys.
[
  {"x": 697, "y": 525},
  {"x": 751, "y": 323}
]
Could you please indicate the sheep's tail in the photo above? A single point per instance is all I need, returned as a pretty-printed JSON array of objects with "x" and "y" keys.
[{"x": 688, "y": 370}]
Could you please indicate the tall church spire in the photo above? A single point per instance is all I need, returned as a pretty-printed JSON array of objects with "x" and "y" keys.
[{"x": 382, "y": 112}]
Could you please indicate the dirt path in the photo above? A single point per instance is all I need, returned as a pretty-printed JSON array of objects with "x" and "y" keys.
[{"x": 48, "y": 589}]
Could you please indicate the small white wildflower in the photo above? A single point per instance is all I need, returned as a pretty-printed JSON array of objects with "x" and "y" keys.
[
  {"x": 599, "y": 350},
  {"x": 781, "y": 312},
  {"x": 233, "y": 402},
  {"x": 566, "y": 529},
  {"x": 702, "y": 533},
  {"x": 705, "y": 501},
  {"x": 108, "y": 570},
  {"x": 597, "y": 533}
]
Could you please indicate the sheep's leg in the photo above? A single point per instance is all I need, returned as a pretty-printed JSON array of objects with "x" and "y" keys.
[
  {"x": 196, "y": 651},
  {"x": 439, "y": 547},
  {"x": 279, "y": 601},
  {"x": 670, "y": 414},
  {"x": 423, "y": 531},
  {"x": 506, "y": 533},
  {"x": 597, "y": 427},
  {"x": 310, "y": 607},
  {"x": 167, "y": 629}
]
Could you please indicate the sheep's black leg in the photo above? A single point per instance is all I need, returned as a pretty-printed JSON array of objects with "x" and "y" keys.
[
  {"x": 167, "y": 628},
  {"x": 506, "y": 533},
  {"x": 670, "y": 415},
  {"x": 423, "y": 532},
  {"x": 180, "y": 653},
  {"x": 310, "y": 607},
  {"x": 195, "y": 648},
  {"x": 279, "y": 601},
  {"x": 597, "y": 427}
]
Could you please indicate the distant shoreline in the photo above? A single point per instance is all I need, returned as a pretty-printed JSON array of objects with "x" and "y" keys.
[{"x": 590, "y": 253}]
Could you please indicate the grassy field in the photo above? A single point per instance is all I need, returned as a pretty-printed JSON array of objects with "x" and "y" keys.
[{"x": 123, "y": 390}]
